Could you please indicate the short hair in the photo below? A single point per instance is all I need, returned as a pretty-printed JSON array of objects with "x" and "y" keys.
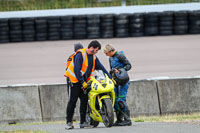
[
  {"x": 94, "y": 44},
  {"x": 108, "y": 48}
]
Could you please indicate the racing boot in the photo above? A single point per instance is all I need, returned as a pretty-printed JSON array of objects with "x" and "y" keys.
[
  {"x": 127, "y": 120},
  {"x": 119, "y": 118}
]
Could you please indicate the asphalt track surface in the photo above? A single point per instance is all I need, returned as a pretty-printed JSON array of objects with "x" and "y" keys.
[
  {"x": 151, "y": 57},
  {"x": 138, "y": 127}
]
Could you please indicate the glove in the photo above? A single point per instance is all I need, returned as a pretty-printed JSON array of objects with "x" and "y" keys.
[
  {"x": 114, "y": 81},
  {"x": 112, "y": 71},
  {"x": 85, "y": 85}
]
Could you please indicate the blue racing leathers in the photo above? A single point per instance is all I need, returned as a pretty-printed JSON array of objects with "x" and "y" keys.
[
  {"x": 120, "y": 97},
  {"x": 117, "y": 61}
]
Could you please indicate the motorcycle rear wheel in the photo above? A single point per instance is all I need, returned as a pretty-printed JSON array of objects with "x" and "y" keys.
[{"x": 107, "y": 112}]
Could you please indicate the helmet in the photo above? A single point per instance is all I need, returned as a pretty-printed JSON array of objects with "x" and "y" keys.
[
  {"x": 77, "y": 46},
  {"x": 122, "y": 77}
]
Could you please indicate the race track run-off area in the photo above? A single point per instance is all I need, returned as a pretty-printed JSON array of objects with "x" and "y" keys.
[{"x": 151, "y": 57}]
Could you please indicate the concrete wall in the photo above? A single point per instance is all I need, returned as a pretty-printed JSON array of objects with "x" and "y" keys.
[
  {"x": 179, "y": 95},
  {"x": 19, "y": 104},
  {"x": 142, "y": 98},
  {"x": 53, "y": 102}
]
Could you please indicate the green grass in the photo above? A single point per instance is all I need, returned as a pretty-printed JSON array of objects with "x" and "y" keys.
[
  {"x": 35, "y": 123},
  {"x": 169, "y": 118},
  {"x": 24, "y": 131},
  {"x": 19, "y": 5}
]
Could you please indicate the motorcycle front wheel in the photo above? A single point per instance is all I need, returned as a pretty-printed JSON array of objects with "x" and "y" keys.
[
  {"x": 89, "y": 119},
  {"x": 107, "y": 112}
]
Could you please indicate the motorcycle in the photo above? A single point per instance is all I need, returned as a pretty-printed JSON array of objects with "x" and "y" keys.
[{"x": 101, "y": 99}]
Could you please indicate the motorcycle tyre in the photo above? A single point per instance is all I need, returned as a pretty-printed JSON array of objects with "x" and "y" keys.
[
  {"x": 89, "y": 119},
  {"x": 109, "y": 112}
]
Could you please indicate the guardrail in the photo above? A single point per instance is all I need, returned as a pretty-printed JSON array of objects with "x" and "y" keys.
[{"x": 36, "y": 103}]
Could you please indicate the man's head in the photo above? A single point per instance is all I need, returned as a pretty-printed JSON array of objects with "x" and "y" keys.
[
  {"x": 109, "y": 50},
  {"x": 93, "y": 47},
  {"x": 77, "y": 46}
]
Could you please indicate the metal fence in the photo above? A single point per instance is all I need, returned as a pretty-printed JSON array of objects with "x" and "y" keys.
[{"x": 18, "y": 5}]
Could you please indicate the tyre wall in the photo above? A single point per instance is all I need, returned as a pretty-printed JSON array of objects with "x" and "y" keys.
[
  {"x": 94, "y": 26},
  {"x": 19, "y": 104}
]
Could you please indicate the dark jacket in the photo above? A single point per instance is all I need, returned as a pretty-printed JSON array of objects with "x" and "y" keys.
[
  {"x": 119, "y": 60},
  {"x": 78, "y": 60}
]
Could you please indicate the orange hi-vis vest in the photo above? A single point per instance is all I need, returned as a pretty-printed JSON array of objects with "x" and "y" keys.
[
  {"x": 69, "y": 60},
  {"x": 70, "y": 70}
]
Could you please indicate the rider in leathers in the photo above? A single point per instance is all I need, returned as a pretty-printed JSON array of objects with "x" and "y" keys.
[{"x": 118, "y": 60}]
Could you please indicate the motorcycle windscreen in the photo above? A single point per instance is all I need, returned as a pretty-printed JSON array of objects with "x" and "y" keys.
[{"x": 100, "y": 76}]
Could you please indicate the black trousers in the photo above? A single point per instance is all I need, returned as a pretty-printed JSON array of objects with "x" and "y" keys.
[{"x": 74, "y": 92}]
